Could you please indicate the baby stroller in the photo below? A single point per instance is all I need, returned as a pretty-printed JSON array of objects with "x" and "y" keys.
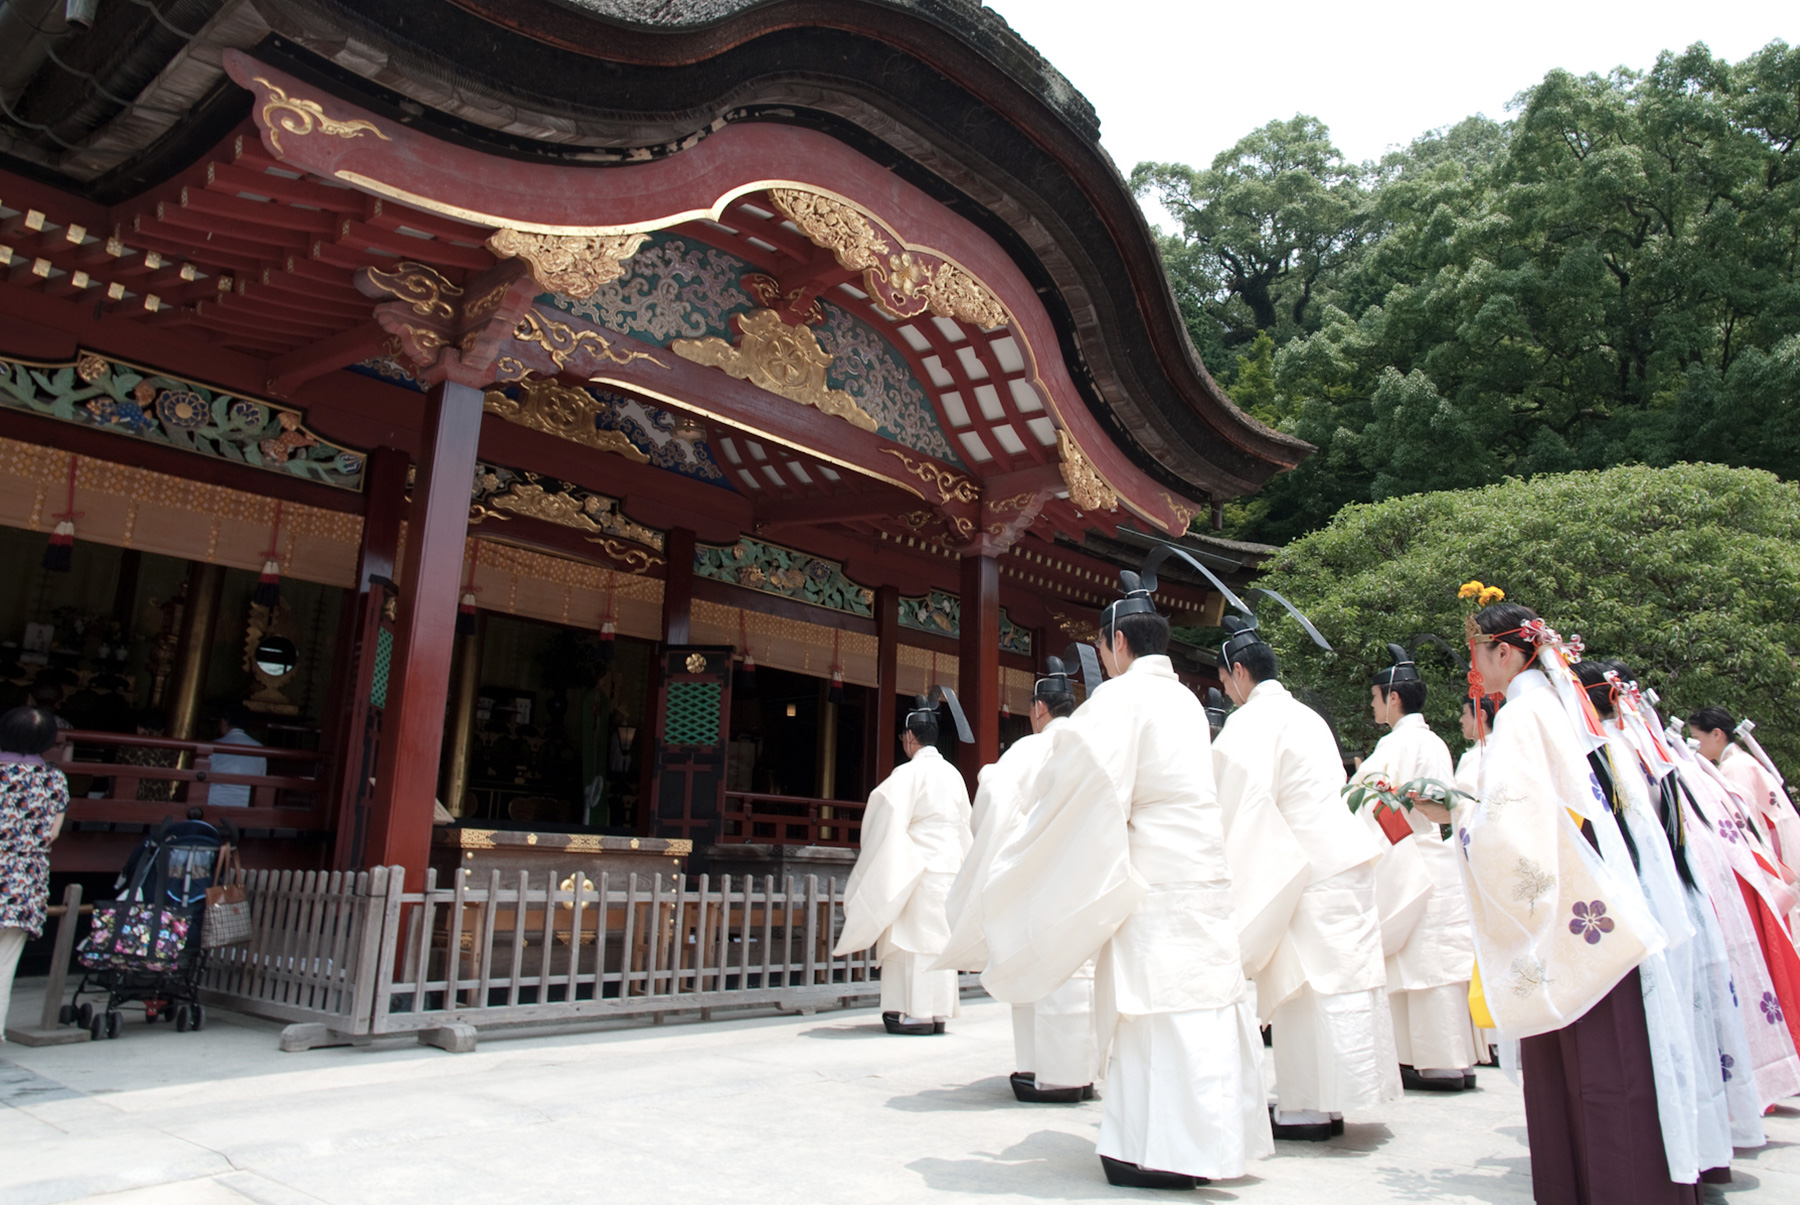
[{"x": 144, "y": 947}]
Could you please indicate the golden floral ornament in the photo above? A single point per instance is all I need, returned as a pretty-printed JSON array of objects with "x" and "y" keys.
[
  {"x": 299, "y": 117},
  {"x": 785, "y": 360},
  {"x": 574, "y": 265},
  {"x": 91, "y": 367},
  {"x": 1087, "y": 489},
  {"x": 834, "y": 225},
  {"x": 549, "y": 406}
]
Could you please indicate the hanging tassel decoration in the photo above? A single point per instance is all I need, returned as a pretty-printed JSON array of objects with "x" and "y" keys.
[
  {"x": 747, "y": 675},
  {"x": 268, "y": 585},
  {"x": 836, "y": 692},
  {"x": 608, "y": 627},
  {"x": 465, "y": 606},
  {"x": 59, "y": 554}
]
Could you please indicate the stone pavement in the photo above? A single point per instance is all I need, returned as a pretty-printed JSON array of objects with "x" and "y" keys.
[{"x": 825, "y": 1108}]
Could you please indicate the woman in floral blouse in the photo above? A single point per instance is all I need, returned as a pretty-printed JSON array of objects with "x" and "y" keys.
[{"x": 33, "y": 798}]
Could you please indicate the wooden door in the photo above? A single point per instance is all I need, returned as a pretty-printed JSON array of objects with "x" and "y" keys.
[{"x": 693, "y": 722}]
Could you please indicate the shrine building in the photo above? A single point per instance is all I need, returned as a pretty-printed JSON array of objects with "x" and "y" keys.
[{"x": 600, "y": 418}]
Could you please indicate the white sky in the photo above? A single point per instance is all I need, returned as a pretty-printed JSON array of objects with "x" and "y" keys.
[{"x": 1183, "y": 80}]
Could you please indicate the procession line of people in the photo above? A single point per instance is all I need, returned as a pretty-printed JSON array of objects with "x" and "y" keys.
[{"x": 1148, "y": 887}]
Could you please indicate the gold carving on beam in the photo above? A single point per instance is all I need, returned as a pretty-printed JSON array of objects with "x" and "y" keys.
[
  {"x": 1087, "y": 490},
  {"x": 478, "y": 310},
  {"x": 953, "y": 293},
  {"x": 1075, "y": 628},
  {"x": 785, "y": 360},
  {"x": 635, "y": 560},
  {"x": 563, "y": 342},
  {"x": 509, "y": 368},
  {"x": 951, "y": 487},
  {"x": 418, "y": 285},
  {"x": 1184, "y": 515},
  {"x": 90, "y": 367},
  {"x": 575, "y": 265},
  {"x": 1017, "y": 502},
  {"x": 563, "y": 411},
  {"x": 961, "y": 526},
  {"x": 282, "y": 114},
  {"x": 833, "y": 225}
]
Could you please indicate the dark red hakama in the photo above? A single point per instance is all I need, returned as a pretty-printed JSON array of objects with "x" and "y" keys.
[{"x": 1590, "y": 1110}]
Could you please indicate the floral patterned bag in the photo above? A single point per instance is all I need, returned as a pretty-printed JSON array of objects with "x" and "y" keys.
[{"x": 134, "y": 936}]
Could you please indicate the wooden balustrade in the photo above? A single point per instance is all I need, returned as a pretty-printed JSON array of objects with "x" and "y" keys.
[
  {"x": 790, "y": 820},
  {"x": 292, "y": 797}
]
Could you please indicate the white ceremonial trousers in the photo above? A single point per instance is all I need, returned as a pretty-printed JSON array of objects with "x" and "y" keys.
[{"x": 915, "y": 832}]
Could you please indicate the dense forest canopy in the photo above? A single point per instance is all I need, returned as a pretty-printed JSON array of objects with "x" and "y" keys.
[{"x": 1609, "y": 277}]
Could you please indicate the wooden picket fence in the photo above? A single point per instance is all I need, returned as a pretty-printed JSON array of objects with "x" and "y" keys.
[{"x": 349, "y": 957}]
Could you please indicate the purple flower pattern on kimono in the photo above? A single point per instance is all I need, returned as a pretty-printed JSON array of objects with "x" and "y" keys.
[{"x": 1591, "y": 921}]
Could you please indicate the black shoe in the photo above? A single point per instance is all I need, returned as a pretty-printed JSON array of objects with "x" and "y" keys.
[
  {"x": 1121, "y": 1174},
  {"x": 1268, "y": 1035},
  {"x": 1337, "y": 1127},
  {"x": 938, "y": 1027},
  {"x": 1468, "y": 1081},
  {"x": 1026, "y": 1091},
  {"x": 1320, "y": 1132},
  {"x": 889, "y": 1022},
  {"x": 1413, "y": 1081},
  {"x": 1087, "y": 1092},
  {"x": 916, "y": 1028}
]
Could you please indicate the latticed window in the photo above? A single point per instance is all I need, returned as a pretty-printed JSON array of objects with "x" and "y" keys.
[{"x": 693, "y": 717}]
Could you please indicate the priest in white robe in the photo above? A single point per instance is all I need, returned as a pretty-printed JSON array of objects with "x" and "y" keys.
[
  {"x": 1121, "y": 859},
  {"x": 1324, "y": 988},
  {"x": 1759, "y": 789},
  {"x": 1056, "y": 1053},
  {"x": 915, "y": 833},
  {"x": 1429, "y": 953}
]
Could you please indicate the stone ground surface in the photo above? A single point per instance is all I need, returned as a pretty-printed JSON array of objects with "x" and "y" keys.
[{"x": 824, "y": 1108}]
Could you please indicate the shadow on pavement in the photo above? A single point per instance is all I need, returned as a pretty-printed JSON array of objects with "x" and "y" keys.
[
  {"x": 1510, "y": 1183},
  {"x": 1047, "y": 1165},
  {"x": 836, "y": 1032},
  {"x": 994, "y": 1092}
]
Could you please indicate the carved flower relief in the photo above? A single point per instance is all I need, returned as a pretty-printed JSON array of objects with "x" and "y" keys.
[
  {"x": 865, "y": 596},
  {"x": 182, "y": 409},
  {"x": 789, "y": 579},
  {"x": 819, "y": 571},
  {"x": 752, "y": 576},
  {"x": 249, "y": 415}
]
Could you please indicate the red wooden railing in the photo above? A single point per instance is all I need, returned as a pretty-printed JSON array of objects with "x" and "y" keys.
[
  {"x": 790, "y": 820},
  {"x": 292, "y": 796}
]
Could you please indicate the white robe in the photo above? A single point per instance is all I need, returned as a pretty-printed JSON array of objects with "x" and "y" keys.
[
  {"x": 915, "y": 833},
  {"x": 1121, "y": 859},
  {"x": 1771, "y": 810},
  {"x": 1324, "y": 989},
  {"x": 1053, "y": 1038},
  {"x": 1429, "y": 957}
]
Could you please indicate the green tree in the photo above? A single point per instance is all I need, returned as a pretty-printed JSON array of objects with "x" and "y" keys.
[
  {"x": 1261, "y": 229},
  {"x": 1689, "y": 574}
]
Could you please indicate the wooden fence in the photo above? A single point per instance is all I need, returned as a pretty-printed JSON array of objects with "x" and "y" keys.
[
  {"x": 352, "y": 957},
  {"x": 790, "y": 820}
]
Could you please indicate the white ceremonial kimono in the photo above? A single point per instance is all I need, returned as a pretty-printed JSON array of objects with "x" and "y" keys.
[
  {"x": 1695, "y": 1032},
  {"x": 915, "y": 832},
  {"x": 1428, "y": 961},
  {"x": 1324, "y": 987},
  {"x": 1121, "y": 859},
  {"x": 1053, "y": 1038},
  {"x": 1468, "y": 781}
]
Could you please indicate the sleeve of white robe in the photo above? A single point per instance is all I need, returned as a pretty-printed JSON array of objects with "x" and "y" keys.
[
  {"x": 887, "y": 869},
  {"x": 1063, "y": 883},
  {"x": 1268, "y": 866},
  {"x": 1403, "y": 883},
  {"x": 998, "y": 800}
]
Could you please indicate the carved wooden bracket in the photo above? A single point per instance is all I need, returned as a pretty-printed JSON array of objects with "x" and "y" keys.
[{"x": 446, "y": 331}]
